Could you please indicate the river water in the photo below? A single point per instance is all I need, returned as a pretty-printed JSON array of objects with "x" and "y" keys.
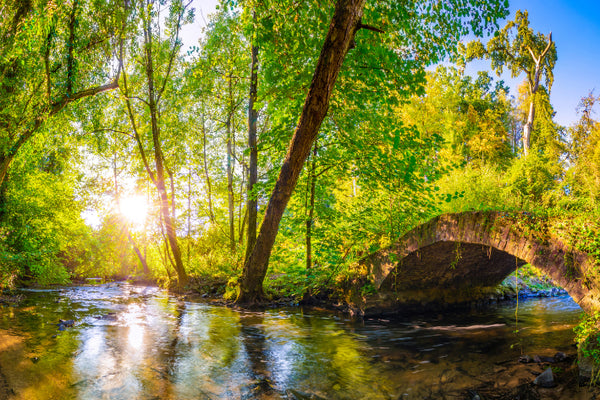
[{"x": 132, "y": 342}]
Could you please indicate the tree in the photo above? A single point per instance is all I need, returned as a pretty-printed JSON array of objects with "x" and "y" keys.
[
  {"x": 345, "y": 23},
  {"x": 432, "y": 41},
  {"x": 52, "y": 54},
  {"x": 584, "y": 152},
  {"x": 42, "y": 233},
  {"x": 251, "y": 202},
  {"x": 220, "y": 78},
  {"x": 520, "y": 50},
  {"x": 469, "y": 118},
  {"x": 158, "y": 57}
]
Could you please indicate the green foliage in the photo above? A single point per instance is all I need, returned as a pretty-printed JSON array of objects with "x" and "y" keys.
[
  {"x": 467, "y": 120},
  {"x": 471, "y": 189},
  {"x": 530, "y": 178},
  {"x": 584, "y": 154},
  {"x": 51, "y": 54},
  {"x": 399, "y": 145},
  {"x": 527, "y": 276},
  {"x": 587, "y": 336},
  {"x": 43, "y": 234},
  {"x": 510, "y": 48}
]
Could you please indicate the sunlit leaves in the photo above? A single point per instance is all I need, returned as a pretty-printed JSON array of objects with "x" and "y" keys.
[
  {"x": 584, "y": 152},
  {"x": 43, "y": 234}
]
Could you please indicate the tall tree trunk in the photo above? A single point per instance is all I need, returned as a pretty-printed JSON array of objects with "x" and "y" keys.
[
  {"x": 5, "y": 162},
  {"x": 528, "y": 126},
  {"x": 211, "y": 214},
  {"x": 164, "y": 199},
  {"x": 230, "y": 140},
  {"x": 172, "y": 184},
  {"x": 242, "y": 211},
  {"x": 189, "y": 216},
  {"x": 534, "y": 85},
  {"x": 252, "y": 202},
  {"x": 159, "y": 164},
  {"x": 244, "y": 220},
  {"x": 311, "y": 206},
  {"x": 230, "y": 203},
  {"x": 344, "y": 24}
]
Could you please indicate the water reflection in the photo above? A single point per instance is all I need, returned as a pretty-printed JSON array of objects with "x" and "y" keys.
[
  {"x": 131, "y": 342},
  {"x": 255, "y": 342}
]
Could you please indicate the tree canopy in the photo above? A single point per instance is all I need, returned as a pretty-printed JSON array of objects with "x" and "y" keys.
[{"x": 325, "y": 129}]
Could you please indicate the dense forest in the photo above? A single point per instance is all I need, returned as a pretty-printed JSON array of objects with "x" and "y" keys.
[{"x": 292, "y": 138}]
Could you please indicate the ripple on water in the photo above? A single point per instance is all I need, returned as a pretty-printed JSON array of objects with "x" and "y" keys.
[{"x": 139, "y": 342}]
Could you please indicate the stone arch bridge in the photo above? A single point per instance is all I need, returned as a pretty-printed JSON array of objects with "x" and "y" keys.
[{"x": 461, "y": 258}]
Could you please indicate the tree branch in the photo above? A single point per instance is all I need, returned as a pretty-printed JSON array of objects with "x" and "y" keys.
[
  {"x": 114, "y": 131},
  {"x": 369, "y": 28},
  {"x": 547, "y": 47},
  {"x": 60, "y": 104},
  {"x": 137, "y": 137},
  {"x": 535, "y": 59},
  {"x": 173, "y": 52}
]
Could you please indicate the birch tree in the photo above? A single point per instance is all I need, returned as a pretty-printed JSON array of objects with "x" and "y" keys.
[{"x": 521, "y": 51}]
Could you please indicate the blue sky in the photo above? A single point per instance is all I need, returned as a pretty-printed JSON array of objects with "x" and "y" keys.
[{"x": 575, "y": 26}]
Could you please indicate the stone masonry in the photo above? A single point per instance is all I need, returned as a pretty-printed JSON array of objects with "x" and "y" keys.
[{"x": 460, "y": 258}]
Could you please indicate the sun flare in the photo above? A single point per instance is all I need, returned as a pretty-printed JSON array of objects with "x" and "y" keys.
[{"x": 134, "y": 209}]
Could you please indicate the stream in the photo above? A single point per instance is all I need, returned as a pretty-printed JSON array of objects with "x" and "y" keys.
[{"x": 132, "y": 342}]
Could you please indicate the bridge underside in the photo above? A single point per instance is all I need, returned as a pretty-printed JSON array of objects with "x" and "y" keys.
[
  {"x": 441, "y": 275},
  {"x": 451, "y": 265}
]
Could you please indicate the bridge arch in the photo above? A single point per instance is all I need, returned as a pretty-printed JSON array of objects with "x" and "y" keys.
[{"x": 457, "y": 258}]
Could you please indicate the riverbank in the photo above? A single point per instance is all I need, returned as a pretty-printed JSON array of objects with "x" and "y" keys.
[{"x": 354, "y": 297}]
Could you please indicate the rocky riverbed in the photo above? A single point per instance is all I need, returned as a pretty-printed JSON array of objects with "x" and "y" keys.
[{"x": 515, "y": 379}]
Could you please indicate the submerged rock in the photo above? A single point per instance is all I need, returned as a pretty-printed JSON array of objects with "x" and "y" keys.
[
  {"x": 545, "y": 379},
  {"x": 526, "y": 392},
  {"x": 111, "y": 316},
  {"x": 64, "y": 324},
  {"x": 560, "y": 357},
  {"x": 296, "y": 395},
  {"x": 473, "y": 395},
  {"x": 543, "y": 359},
  {"x": 525, "y": 359}
]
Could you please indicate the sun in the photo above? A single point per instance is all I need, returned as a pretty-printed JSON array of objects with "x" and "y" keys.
[{"x": 134, "y": 209}]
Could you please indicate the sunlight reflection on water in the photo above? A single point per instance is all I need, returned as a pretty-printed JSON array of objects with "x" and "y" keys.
[{"x": 140, "y": 343}]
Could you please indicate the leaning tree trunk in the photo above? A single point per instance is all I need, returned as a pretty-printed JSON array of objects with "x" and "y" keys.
[{"x": 343, "y": 27}]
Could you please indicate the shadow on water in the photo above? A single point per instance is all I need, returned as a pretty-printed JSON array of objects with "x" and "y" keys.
[
  {"x": 134, "y": 342},
  {"x": 254, "y": 339}
]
